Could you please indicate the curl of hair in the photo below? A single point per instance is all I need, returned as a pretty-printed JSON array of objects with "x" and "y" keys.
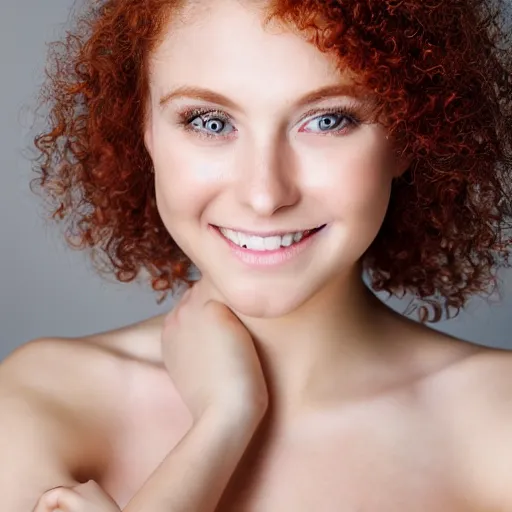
[{"x": 442, "y": 75}]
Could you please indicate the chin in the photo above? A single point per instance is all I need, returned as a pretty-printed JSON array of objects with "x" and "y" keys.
[{"x": 256, "y": 302}]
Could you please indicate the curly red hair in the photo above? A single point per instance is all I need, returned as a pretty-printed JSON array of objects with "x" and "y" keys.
[{"x": 442, "y": 73}]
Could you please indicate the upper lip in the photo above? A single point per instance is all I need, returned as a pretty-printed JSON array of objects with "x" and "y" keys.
[{"x": 264, "y": 234}]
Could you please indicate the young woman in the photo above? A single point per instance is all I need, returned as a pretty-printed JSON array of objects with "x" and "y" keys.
[{"x": 284, "y": 149}]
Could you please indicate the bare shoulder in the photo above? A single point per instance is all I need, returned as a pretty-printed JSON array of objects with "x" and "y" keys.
[
  {"x": 86, "y": 375},
  {"x": 482, "y": 378},
  {"x": 81, "y": 381},
  {"x": 51, "y": 414},
  {"x": 67, "y": 385},
  {"x": 64, "y": 400},
  {"x": 472, "y": 401},
  {"x": 68, "y": 372},
  {"x": 136, "y": 342},
  {"x": 467, "y": 379}
]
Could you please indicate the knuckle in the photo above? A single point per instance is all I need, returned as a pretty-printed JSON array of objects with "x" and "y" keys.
[
  {"x": 53, "y": 494},
  {"x": 48, "y": 500},
  {"x": 58, "y": 497},
  {"x": 221, "y": 313},
  {"x": 214, "y": 308}
]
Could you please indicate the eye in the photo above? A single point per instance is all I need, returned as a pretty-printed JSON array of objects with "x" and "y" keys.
[
  {"x": 216, "y": 124},
  {"x": 208, "y": 123},
  {"x": 333, "y": 122}
]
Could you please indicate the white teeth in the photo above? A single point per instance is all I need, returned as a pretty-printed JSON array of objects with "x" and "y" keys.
[
  {"x": 287, "y": 240},
  {"x": 252, "y": 242},
  {"x": 257, "y": 243},
  {"x": 231, "y": 235},
  {"x": 272, "y": 243}
]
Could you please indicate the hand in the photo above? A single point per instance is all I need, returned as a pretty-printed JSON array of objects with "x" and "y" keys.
[
  {"x": 88, "y": 497},
  {"x": 211, "y": 358}
]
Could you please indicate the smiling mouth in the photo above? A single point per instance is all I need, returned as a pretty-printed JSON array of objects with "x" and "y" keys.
[{"x": 267, "y": 243}]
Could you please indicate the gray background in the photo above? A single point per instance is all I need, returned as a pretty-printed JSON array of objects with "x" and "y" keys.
[{"x": 47, "y": 289}]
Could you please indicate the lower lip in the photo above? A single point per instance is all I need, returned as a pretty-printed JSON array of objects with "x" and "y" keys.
[{"x": 269, "y": 258}]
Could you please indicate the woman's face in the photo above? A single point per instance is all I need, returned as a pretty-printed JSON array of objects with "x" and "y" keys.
[{"x": 239, "y": 143}]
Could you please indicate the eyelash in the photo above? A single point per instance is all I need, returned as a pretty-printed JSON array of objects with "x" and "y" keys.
[{"x": 187, "y": 116}]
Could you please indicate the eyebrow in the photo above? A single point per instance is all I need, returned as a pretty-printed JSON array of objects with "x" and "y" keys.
[{"x": 201, "y": 93}]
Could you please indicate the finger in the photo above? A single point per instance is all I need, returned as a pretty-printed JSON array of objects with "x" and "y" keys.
[{"x": 59, "y": 499}]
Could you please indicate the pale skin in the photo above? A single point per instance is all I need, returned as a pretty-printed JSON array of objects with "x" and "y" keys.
[{"x": 292, "y": 387}]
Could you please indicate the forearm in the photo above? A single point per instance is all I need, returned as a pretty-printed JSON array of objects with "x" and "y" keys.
[{"x": 195, "y": 473}]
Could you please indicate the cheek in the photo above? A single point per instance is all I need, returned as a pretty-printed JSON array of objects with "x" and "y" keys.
[
  {"x": 365, "y": 193},
  {"x": 185, "y": 185},
  {"x": 354, "y": 184},
  {"x": 185, "y": 180}
]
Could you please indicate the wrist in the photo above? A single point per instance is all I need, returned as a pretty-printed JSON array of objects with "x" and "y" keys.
[{"x": 233, "y": 419}]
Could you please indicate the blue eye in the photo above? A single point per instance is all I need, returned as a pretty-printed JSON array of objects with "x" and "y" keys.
[
  {"x": 329, "y": 122},
  {"x": 204, "y": 122},
  {"x": 216, "y": 124}
]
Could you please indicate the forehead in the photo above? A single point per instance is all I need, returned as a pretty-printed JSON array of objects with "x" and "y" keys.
[{"x": 227, "y": 42}]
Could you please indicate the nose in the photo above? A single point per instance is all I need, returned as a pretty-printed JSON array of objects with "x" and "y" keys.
[{"x": 268, "y": 180}]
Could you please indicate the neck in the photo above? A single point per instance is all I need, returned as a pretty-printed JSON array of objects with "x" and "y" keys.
[{"x": 316, "y": 354}]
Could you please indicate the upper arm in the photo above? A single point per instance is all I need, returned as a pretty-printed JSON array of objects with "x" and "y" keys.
[
  {"x": 42, "y": 441},
  {"x": 31, "y": 462}
]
